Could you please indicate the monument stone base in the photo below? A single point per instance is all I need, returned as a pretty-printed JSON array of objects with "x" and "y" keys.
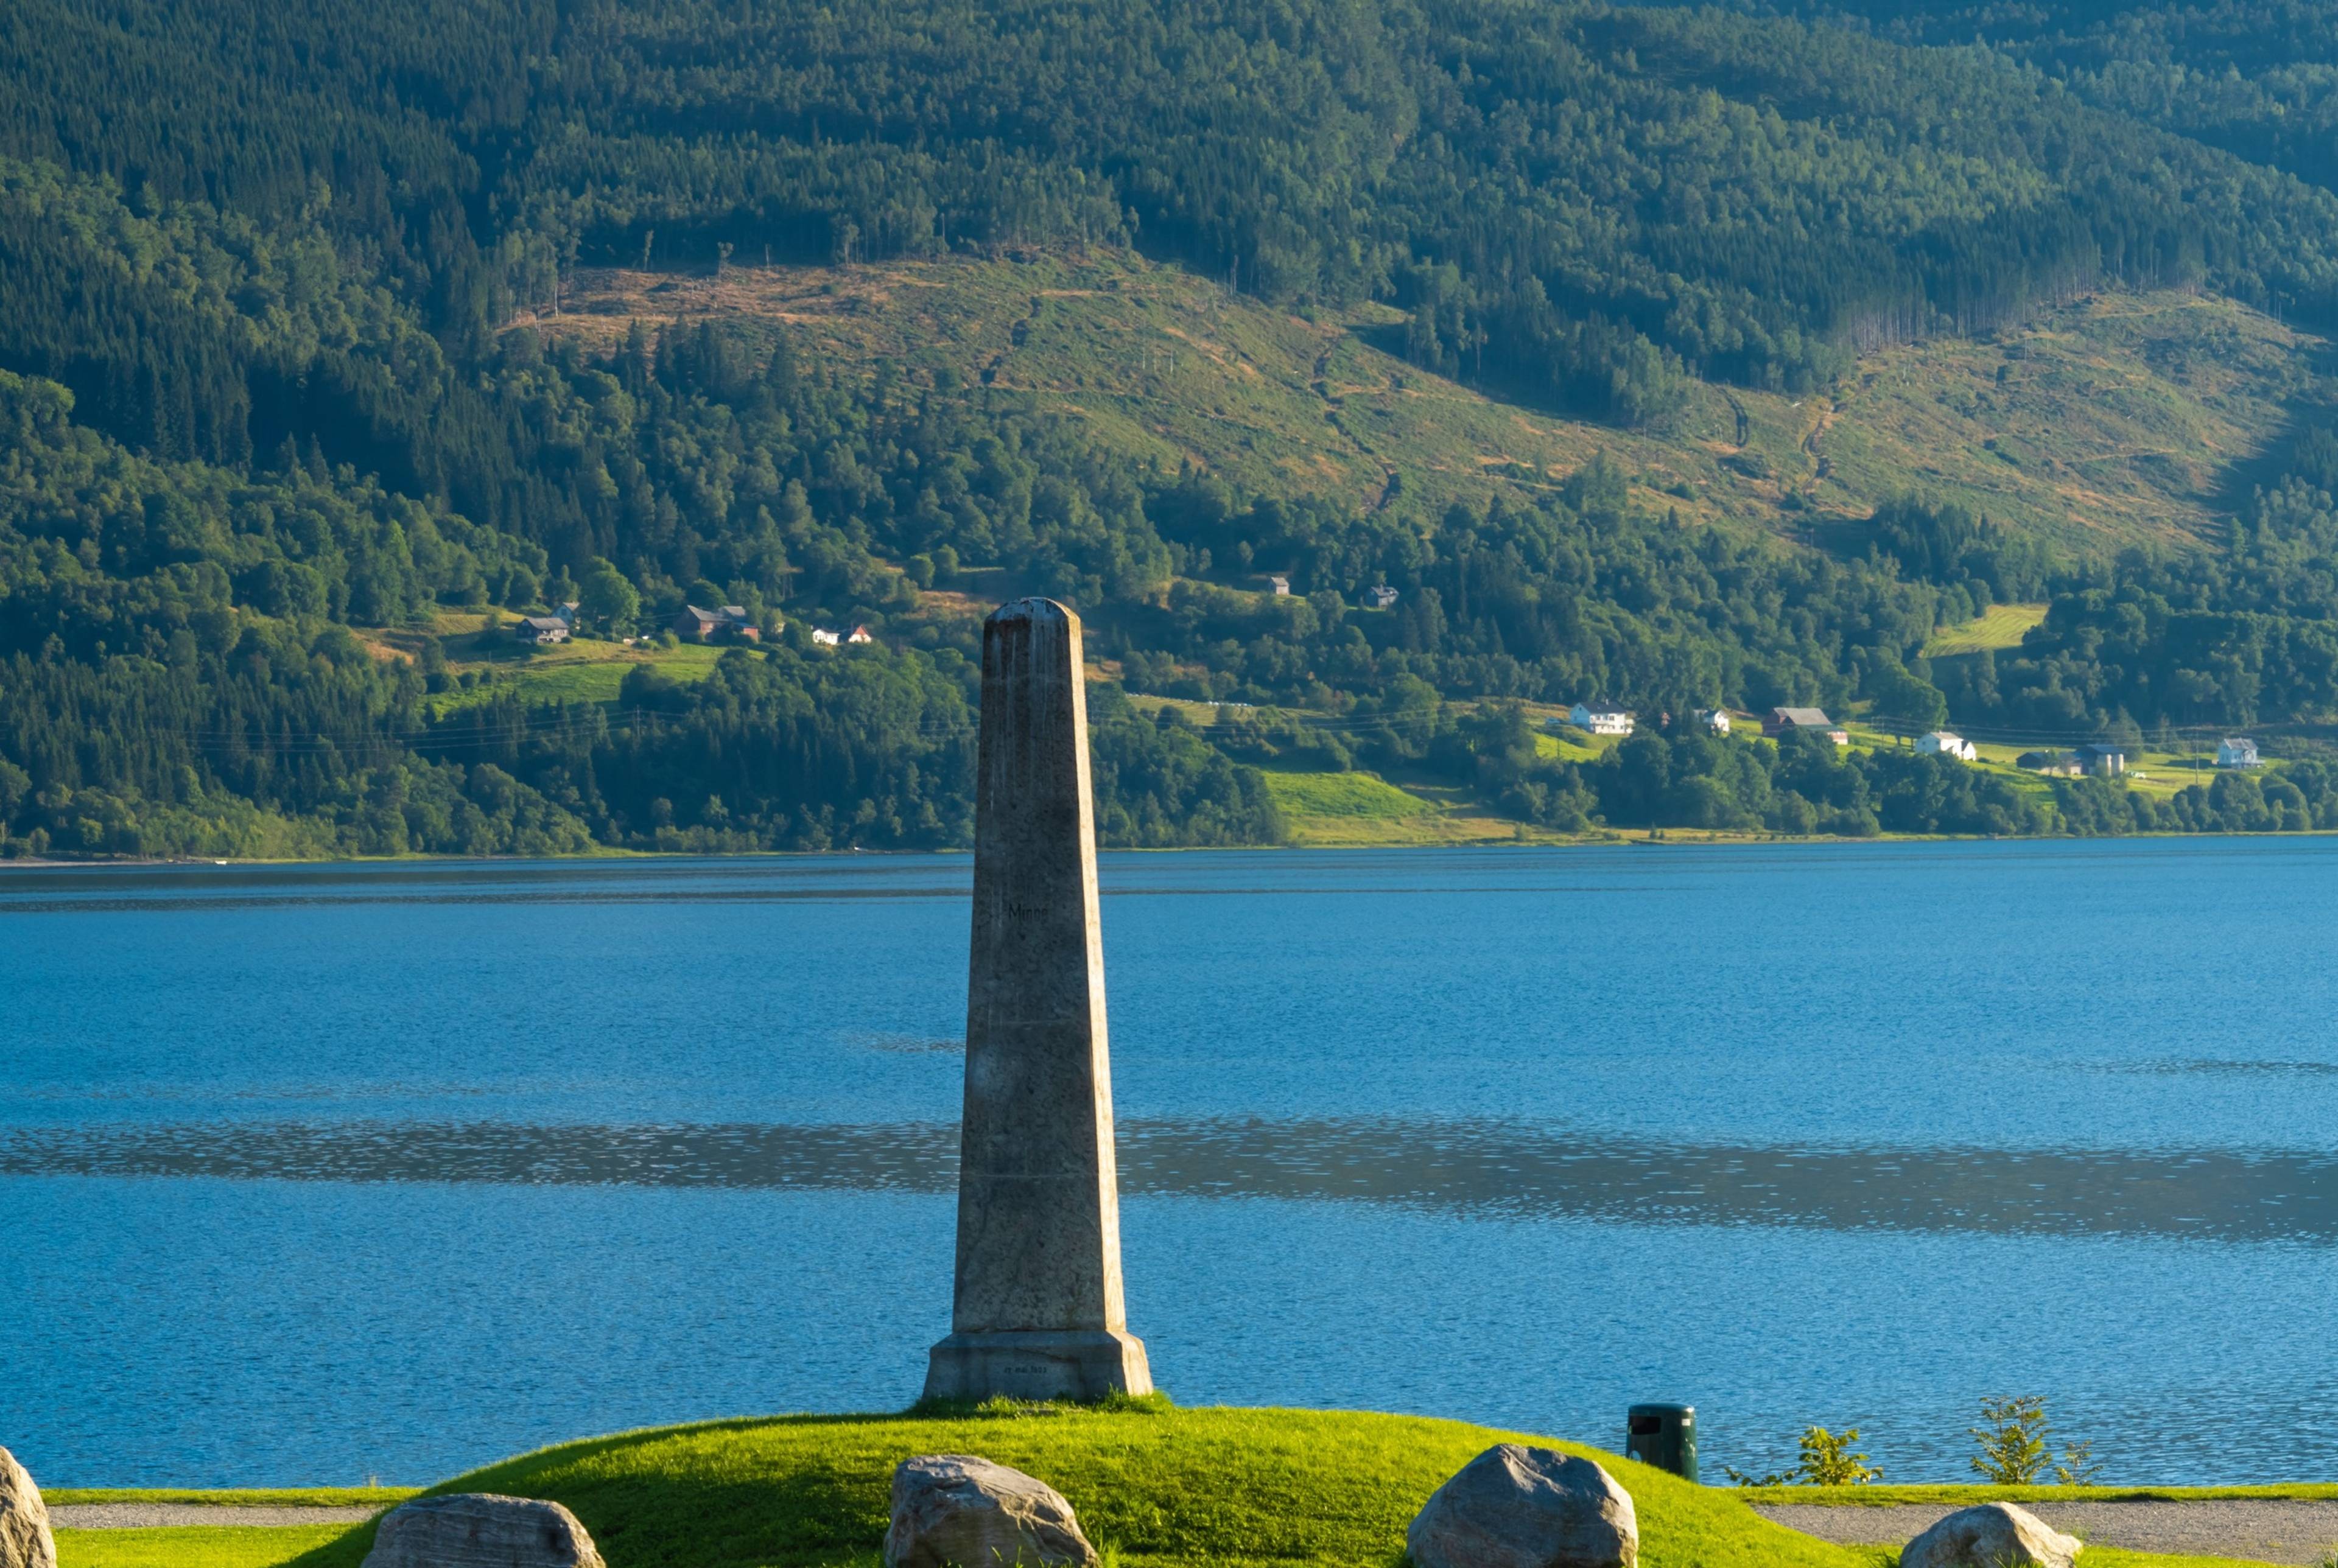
[{"x": 1039, "y": 1364}]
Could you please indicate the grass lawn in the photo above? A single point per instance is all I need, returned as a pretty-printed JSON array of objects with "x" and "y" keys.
[
  {"x": 200, "y": 1546},
  {"x": 1154, "y": 1486},
  {"x": 237, "y": 1496},
  {"x": 1962, "y": 1497}
]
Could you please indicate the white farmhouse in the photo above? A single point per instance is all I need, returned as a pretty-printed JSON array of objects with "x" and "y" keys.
[
  {"x": 1600, "y": 719},
  {"x": 825, "y": 637},
  {"x": 2237, "y": 752},
  {"x": 1946, "y": 743},
  {"x": 1718, "y": 720}
]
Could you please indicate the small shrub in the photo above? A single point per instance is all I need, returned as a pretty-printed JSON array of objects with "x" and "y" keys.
[
  {"x": 2079, "y": 1468},
  {"x": 1827, "y": 1459},
  {"x": 2012, "y": 1439}
]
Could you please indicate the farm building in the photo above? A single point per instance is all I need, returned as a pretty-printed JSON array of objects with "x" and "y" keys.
[
  {"x": 1784, "y": 721},
  {"x": 1946, "y": 743},
  {"x": 707, "y": 625},
  {"x": 541, "y": 631},
  {"x": 2237, "y": 752},
  {"x": 2101, "y": 762}
]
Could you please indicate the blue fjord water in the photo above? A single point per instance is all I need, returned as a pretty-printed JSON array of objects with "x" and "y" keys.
[{"x": 309, "y": 1174}]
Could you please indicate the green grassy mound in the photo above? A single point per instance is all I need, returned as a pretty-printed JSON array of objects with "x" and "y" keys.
[
  {"x": 1153, "y": 1484},
  {"x": 1219, "y": 1486}
]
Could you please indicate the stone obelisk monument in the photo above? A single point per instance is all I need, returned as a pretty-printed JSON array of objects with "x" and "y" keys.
[{"x": 1037, "y": 1311}]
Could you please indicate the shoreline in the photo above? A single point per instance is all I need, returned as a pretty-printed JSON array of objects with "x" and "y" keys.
[{"x": 1635, "y": 838}]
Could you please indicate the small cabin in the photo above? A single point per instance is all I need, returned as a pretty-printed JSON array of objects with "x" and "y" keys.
[
  {"x": 1277, "y": 585},
  {"x": 1379, "y": 597},
  {"x": 858, "y": 634}
]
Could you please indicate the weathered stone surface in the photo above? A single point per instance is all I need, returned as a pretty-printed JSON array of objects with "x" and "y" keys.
[
  {"x": 481, "y": 1530},
  {"x": 1991, "y": 1535},
  {"x": 959, "y": 1511},
  {"x": 1519, "y": 1507},
  {"x": 1036, "y": 1312},
  {"x": 25, "y": 1539}
]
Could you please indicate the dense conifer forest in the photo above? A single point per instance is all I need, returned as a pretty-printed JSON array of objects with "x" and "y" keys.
[{"x": 282, "y": 403}]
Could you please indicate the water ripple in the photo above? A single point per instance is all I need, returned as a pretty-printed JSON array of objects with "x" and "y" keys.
[{"x": 1485, "y": 1168}]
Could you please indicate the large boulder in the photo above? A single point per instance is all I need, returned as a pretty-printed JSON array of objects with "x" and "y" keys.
[
  {"x": 25, "y": 1539},
  {"x": 481, "y": 1530},
  {"x": 1991, "y": 1535},
  {"x": 959, "y": 1511},
  {"x": 1519, "y": 1507}
]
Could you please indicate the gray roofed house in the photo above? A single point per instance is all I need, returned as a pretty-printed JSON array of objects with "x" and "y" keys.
[{"x": 541, "y": 630}]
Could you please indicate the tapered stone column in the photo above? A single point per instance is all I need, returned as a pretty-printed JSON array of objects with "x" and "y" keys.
[{"x": 1037, "y": 1311}]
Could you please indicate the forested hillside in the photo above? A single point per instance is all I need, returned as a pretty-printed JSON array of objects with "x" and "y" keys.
[{"x": 1671, "y": 356}]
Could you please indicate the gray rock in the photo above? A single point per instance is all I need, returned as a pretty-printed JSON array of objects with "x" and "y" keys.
[
  {"x": 1519, "y": 1507},
  {"x": 25, "y": 1539},
  {"x": 1991, "y": 1535},
  {"x": 959, "y": 1511},
  {"x": 481, "y": 1530}
]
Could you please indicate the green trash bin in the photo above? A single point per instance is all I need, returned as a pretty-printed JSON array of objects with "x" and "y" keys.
[{"x": 1663, "y": 1436}]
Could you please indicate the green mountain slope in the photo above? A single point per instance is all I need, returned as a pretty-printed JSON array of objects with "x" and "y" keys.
[{"x": 1670, "y": 357}]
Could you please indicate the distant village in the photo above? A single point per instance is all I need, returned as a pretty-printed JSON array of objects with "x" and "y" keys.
[
  {"x": 724, "y": 623},
  {"x": 2098, "y": 760}
]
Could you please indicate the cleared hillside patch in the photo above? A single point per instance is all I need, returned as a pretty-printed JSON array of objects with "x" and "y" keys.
[
  {"x": 2118, "y": 420},
  {"x": 1999, "y": 627}
]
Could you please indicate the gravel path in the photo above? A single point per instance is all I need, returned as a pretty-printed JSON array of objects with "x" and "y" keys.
[
  {"x": 145, "y": 1515},
  {"x": 2261, "y": 1529}
]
